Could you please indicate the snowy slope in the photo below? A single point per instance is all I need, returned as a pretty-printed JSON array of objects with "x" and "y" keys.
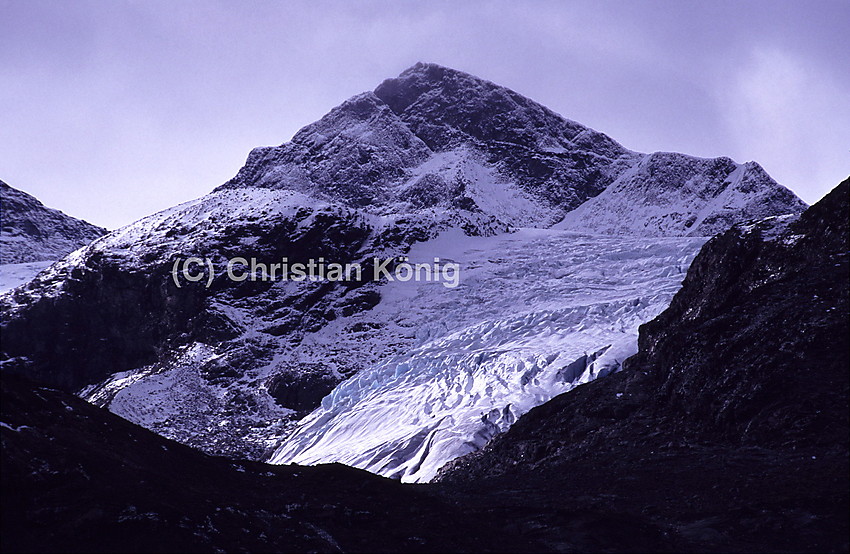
[
  {"x": 670, "y": 194},
  {"x": 15, "y": 275},
  {"x": 537, "y": 313},
  {"x": 210, "y": 388},
  {"x": 32, "y": 232}
]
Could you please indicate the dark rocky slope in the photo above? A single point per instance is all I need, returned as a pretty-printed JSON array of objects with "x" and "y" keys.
[
  {"x": 731, "y": 423},
  {"x": 117, "y": 310},
  {"x": 76, "y": 478},
  {"x": 32, "y": 232}
]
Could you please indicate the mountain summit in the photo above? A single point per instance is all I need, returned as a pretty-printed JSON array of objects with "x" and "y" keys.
[
  {"x": 439, "y": 140},
  {"x": 436, "y": 138},
  {"x": 432, "y": 164}
]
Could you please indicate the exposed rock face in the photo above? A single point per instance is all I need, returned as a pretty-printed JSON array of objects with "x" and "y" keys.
[
  {"x": 226, "y": 368},
  {"x": 116, "y": 306},
  {"x": 746, "y": 372},
  {"x": 32, "y": 232}
]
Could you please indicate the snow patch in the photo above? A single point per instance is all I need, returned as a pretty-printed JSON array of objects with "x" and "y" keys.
[{"x": 15, "y": 275}]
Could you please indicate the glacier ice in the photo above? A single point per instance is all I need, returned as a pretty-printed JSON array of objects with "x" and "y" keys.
[{"x": 537, "y": 313}]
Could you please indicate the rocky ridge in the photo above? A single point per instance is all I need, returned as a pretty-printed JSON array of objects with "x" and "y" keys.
[{"x": 32, "y": 232}]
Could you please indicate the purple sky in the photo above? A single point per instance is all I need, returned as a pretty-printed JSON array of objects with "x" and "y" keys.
[{"x": 112, "y": 110}]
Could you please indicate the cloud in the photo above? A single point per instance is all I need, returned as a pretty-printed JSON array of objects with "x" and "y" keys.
[{"x": 787, "y": 113}]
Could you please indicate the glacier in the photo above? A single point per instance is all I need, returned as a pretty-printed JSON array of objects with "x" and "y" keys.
[{"x": 537, "y": 313}]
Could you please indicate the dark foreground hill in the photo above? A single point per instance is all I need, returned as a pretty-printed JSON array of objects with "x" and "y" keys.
[{"x": 76, "y": 478}]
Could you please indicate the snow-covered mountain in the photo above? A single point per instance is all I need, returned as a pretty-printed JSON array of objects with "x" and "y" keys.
[
  {"x": 435, "y": 138},
  {"x": 33, "y": 236},
  {"x": 434, "y": 163}
]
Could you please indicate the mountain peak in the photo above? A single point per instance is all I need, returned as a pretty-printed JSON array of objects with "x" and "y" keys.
[
  {"x": 435, "y": 138},
  {"x": 399, "y": 92},
  {"x": 434, "y": 156},
  {"x": 449, "y": 106},
  {"x": 435, "y": 131},
  {"x": 435, "y": 70}
]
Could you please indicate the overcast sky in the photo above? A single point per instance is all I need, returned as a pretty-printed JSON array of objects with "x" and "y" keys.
[{"x": 112, "y": 110}]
